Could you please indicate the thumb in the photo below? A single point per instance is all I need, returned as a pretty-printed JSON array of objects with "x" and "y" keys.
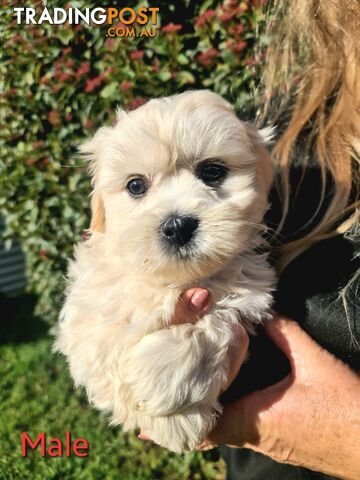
[
  {"x": 297, "y": 345},
  {"x": 192, "y": 305}
]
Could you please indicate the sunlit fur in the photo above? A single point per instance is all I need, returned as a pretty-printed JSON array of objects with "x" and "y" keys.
[{"x": 124, "y": 284}]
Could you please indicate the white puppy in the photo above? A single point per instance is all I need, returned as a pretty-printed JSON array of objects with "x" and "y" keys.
[{"x": 180, "y": 189}]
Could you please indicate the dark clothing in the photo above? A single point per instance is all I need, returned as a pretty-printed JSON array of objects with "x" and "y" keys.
[{"x": 308, "y": 292}]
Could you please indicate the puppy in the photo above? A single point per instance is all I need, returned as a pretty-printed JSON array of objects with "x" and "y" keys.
[{"x": 180, "y": 189}]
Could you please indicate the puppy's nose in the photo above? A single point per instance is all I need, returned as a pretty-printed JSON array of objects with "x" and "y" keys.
[{"x": 179, "y": 230}]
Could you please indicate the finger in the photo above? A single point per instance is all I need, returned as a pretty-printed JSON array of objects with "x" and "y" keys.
[
  {"x": 206, "y": 445},
  {"x": 143, "y": 436},
  {"x": 237, "y": 354},
  {"x": 192, "y": 305}
]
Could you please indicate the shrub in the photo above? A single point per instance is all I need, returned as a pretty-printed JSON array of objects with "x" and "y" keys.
[{"x": 59, "y": 83}]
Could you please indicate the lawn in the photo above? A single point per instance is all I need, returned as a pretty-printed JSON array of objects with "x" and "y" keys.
[{"x": 37, "y": 395}]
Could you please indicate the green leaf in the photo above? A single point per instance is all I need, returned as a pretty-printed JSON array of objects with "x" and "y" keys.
[
  {"x": 185, "y": 77},
  {"x": 183, "y": 59},
  {"x": 164, "y": 76},
  {"x": 110, "y": 90}
]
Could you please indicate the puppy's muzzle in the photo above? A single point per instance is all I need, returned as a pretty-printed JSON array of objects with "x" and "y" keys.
[{"x": 178, "y": 230}]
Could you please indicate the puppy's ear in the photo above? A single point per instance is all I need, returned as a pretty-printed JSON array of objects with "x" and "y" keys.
[
  {"x": 97, "y": 223},
  {"x": 91, "y": 151},
  {"x": 260, "y": 140}
]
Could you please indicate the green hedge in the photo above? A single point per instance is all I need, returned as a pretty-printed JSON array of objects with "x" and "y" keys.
[{"x": 59, "y": 83}]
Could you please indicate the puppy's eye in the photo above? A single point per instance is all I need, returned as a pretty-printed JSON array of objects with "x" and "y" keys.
[
  {"x": 137, "y": 187},
  {"x": 211, "y": 173}
]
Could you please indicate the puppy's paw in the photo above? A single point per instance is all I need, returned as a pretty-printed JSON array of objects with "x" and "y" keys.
[
  {"x": 173, "y": 379},
  {"x": 183, "y": 431},
  {"x": 173, "y": 369}
]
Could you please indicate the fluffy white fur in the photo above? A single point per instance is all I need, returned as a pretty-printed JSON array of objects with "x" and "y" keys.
[{"x": 123, "y": 285}]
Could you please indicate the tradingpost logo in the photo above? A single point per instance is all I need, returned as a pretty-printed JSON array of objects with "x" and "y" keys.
[{"x": 121, "y": 22}]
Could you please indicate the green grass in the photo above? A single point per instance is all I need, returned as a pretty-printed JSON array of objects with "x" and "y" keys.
[{"x": 37, "y": 395}]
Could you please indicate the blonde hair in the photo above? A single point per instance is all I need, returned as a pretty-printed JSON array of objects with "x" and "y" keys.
[{"x": 313, "y": 67}]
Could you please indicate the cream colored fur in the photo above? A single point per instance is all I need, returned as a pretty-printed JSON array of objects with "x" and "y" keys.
[{"x": 115, "y": 325}]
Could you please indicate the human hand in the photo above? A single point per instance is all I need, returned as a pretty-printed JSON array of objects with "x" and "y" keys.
[{"x": 310, "y": 418}]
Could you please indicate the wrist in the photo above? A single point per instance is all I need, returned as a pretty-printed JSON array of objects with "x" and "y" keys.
[{"x": 327, "y": 441}]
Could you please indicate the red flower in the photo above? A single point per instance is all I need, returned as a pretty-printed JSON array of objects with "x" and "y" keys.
[
  {"x": 11, "y": 92},
  {"x": 250, "y": 62},
  {"x": 56, "y": 88},
  {"x": 43, "y": 253},
  {"x": 89, "y": 123},
  {"x": 37, "y": 32},
  {"x": 225, "y": 17},
  {"x": 126, "y": 85},
  {"x": 64, "y": 76},
  {"x": 207, "y": 58},
  {"x": 258, "y": 3},
  {"x": 137, "y": 54},
  {"x": 237, "y": 29},
  {"x": 136, "y": 103},
  {"x": 205, "y": 17},
  {"x": 58, "y": 73},
  {"x": 58, "y": 64},
  {"x": 45, "y": 161},
  {"x": 67, "y": 50},
  {"x": 30, "y": 162},
  {"x": 172, "y": 28},
  {"x": 83, "y": 69},
  {"x": 69, "y": 63},
  {"x": 44, "y": 80},
  {"x": 93, "y": 83},
  {"x": 155, "y": 66},
  {"x": 16, "y": 39},
  {"x": 237, "y": 47},
  {"x": 54, "y": 117},
  {"x": 110, "y": 42}
]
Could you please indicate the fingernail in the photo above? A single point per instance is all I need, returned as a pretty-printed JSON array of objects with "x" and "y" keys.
[
  {"x": 205, "y": 446},
  {"x": 199, "y": 299}
]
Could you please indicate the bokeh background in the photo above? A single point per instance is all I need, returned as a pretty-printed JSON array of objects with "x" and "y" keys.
[{"x": 58, "y": 84}]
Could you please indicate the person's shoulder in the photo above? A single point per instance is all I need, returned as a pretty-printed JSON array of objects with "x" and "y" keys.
[{"x": 320, "y": 289}]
